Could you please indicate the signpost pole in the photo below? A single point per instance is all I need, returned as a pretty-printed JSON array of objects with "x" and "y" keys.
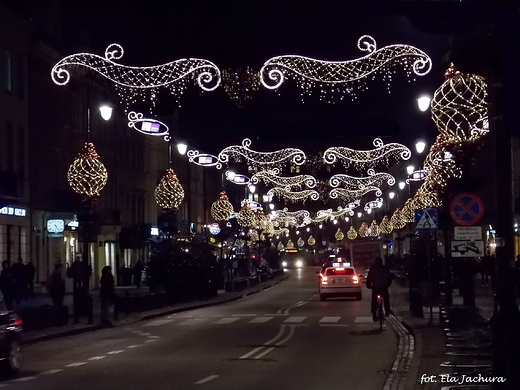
[{"x": 430, "y": 281}]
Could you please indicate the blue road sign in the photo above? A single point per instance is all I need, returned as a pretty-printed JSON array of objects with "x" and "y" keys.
[{"x": 426, "y": 220}]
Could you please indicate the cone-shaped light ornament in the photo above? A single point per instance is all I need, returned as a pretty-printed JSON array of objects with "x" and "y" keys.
[
  {"x": 222, "y": 208},
  {"x": 169, "y": 192},
  {"x": 300, "y": 242},
  {"x": 87, "y": 175},
  {"x": 280, "y": 246},
  {"x": 311, "y": 241},
  {"x": 290, "y": 244}
]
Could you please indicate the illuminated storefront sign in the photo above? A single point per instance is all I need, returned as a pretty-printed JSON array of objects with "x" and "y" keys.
[{"x": 17, "y": 212}]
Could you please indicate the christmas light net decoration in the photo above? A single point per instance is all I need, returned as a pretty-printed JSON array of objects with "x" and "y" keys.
[
  {"x": 222, "y": 208},
  {"x": 292, "y": 182},
  {"x": 357, "y": 183},
  {"x": 240, "y": 84},
  {"x": 145, "y": 82},
  {"x": 87, "y": 175},
  {"x": 169, "y": 192},
  {"x": 311, "y": 241},
  {"x": 339, "y": 236},
  {"x": 374, "y": 229},
  {"x": 246, "y": 217},
  {"x": 344, "y": 76},
  {"x": 290, "y": 244},
  {"x": 386, "y": 226},
  {"x": 363, "y": 230},
  {"x": 280, "y": 246},
  {"x": 300, "y": 242},
  {"x": 352, "y": 234},
  {"x": 293, "y": 196},
  {"x": 460, "y": 112}
]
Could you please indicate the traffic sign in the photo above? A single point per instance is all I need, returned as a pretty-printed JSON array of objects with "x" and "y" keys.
[
  {"x": 426, "y": 219},
  {"x": 466, "y": 209},
  {"x": 468, "y": 233},
  {"x": 467, "y": 248}
]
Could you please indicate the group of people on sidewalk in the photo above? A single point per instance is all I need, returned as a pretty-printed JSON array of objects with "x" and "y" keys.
[{"x": 17, "y": 281}]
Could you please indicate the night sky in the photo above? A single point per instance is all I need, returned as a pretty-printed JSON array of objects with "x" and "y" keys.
[{"x": 238, "y": 34}]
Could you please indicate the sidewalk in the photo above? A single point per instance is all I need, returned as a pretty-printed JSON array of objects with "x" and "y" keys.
[
  {"x": 430, "y": 339},
  {"x": 124, "y": 319}
]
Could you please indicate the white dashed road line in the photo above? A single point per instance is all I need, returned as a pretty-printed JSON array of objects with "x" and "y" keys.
[
  {"x": 115, "y": 352},
  {"x": 260, "y": 320},
  {"x": 77, "y": 364},
  {"x": 134, "y": 346},
  {"x": 23, "y": 379},
  {"x": 49, "y": 372},
  {"x": 96, "y": 358},
  {"x": 330, "y": 319},
  {"x": 207, "y": 379}
]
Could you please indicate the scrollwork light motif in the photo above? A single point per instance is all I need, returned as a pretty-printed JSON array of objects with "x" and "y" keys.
[
  {"x": 137, "y": 117},
  {"x": 203, "y": 159},
  {"x": 136, "y": 80},
  {"x": 293, "y": 196},
  {"x": 261, "y": 160},
  {"x": 271, "y": 177},
  {"x": 352, "y": 195},
  {"x": 362, "y": 159},
  {"x": 340, "y": 75},
  {"x": 351, "y": 182}
]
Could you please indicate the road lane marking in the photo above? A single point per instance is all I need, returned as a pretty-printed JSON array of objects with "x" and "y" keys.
[
  {"x": 193, "y": 321},
  {"x": 227, "y": 320},
  {"x": 77, "y": 364},
  {"x": 158, "y": 323},
  {"x": 291, "y": 334},
  {"x": 295, "y": 319},
  {"x": 151, "y": 340},
  {"x": 23, "y": 379},
  {"x": 331, "y": 325},
  {"x": 145, "y": 334},
  {"x": 260, "y": 320},
  {"x": 115, "y": 352},
  {"x": 285, "y": 310},
  {"x": 363, "y": 319},
  {"x": 330, "y": 319},
  {"x": 96, "y": 358},
  {"x": 244, "y": 315},
  {"x": 280, "y": 334},
  {"x": 207, "y": 379},
  {"x": 134, "y": 346},
  {"x": 153, "y": 337},
  {"x": 50, "y": 372}
]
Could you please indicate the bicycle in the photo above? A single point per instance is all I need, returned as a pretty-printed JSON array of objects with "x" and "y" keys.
[{"x": 380, "y": 313}]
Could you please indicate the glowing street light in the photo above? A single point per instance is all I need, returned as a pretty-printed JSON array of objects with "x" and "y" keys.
[
  {"x": 182, "y": 148},
  {"x": 410, "y": 169},
  {"x": 391, "y": 194},
  {"x": 424, "y": 103},
  {"x": 420, "y": 146},
  {"x": 106, "y": 112},
  {"x": 402, "y": 184}
]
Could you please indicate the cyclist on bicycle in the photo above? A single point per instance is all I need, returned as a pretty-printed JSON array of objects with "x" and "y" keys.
[{"x": 379, "y": 279}]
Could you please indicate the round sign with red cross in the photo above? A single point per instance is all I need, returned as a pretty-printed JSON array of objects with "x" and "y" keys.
[{"x": 466, "y": 209}]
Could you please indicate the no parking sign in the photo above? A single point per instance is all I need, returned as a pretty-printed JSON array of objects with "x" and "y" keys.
[{"x": 466, "y": 209}]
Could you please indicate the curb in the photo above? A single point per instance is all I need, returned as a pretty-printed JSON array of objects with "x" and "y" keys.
[{"x": 91, "y": 328}]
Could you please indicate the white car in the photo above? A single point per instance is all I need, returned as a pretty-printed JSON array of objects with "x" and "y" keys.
[{"x": 339, "y": 282}]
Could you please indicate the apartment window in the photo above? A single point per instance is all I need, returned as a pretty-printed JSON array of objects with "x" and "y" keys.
[{"x": 8, "y": 71}]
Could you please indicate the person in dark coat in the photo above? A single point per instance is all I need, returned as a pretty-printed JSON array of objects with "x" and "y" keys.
[
  {"x": 379, "y": 280},
  {"x": 107, "y": 293},
  {"x": 7, "y": 284},
  {"x": 20, "y": 282},
  {"x": 56, "y": 286},
  {"x": 138, "y": 272},
  {"x": 30, "y": 273},
  {"x": 77, "y": 272}
]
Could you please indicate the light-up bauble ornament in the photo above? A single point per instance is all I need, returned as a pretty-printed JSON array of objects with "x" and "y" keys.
[
  {"x": 300, "y": 242},
  {"x": 169, "y": 192},
  {"x": 87, "y": 175},
  {"x": 246, "y": 217},
  {"x": 262, "y": 220},
  {"x": 374, "y": 229},
  {"x": 363, "y": 230},
  {"x": 280, "y": 246},
  {"x": 222, "y": 208},
  {"x": 386, "y": 226},
  {"x": 339, "y": 235},
  {"x": 290, "y": 244},
  {"x": 311, "y": 241},
  {"x": 352, "y": 234},
  {"x": 253, "y": 234}
]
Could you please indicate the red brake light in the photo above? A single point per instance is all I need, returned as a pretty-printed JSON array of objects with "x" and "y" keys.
[
  {"x": 355, "y": 279},
  {"x": 18, "y": 321},
  {"x": 324, "y": 280},
  {"x": 340, "y": 269}
]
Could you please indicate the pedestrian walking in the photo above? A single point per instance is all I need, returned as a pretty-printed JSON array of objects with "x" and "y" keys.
[
  {"x": 77, "y": 273},
  {"x": 30, "y": 273},
  {"x": 107, "y": 294},
  {"x": 20, "y": 283},
  {"x": 138, "y": 272},
  {"x": 56, "y": 286},
  {"x": 7, "y": 284}
]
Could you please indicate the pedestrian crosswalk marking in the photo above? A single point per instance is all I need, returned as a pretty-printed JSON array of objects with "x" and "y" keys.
[
  {"x": 157, "y": 322},
  {"x": 227, "y": 320},
  {"x": 260, "y": 320},
  {"x": 193, "y": 321},
  {"x": 330, "y": 319},
  {"x": 295, "y": 319}
]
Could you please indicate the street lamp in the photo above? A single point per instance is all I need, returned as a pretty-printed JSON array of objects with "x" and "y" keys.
[
  {"x": 106, "y": 112},
  {"x": 420, "y": 146},
  {"x": 424, "y": 103},
  {"x": 402, "y": 184},
  {"x": 391, "y": 194},
  {"x": 409, "y": 169},
  {"x": 182, "y": 148}
]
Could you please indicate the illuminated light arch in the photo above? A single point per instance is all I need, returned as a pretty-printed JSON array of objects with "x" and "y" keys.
[
  {"x": 353, "y": 195},
  {"x": 272, "y": 177},
  {"x": 351, "y": 182},
  {"x": 310, "y": 72},
  {"x": 293, "y": 196}
]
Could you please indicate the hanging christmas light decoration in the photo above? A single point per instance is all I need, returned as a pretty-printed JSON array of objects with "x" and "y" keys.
[
  {"x": 222, "y": 208},
  {"x": 246, "y": 217},
  {"x": 386, "y": 226},
  {"x": 311, "y": 241},
  {"x": 356, "y": 183},
  {"x": 293, "y": 196},
  {"x": 141, "y": 82},
  {"x": 292, "y": 182},
  {"x": 169, "y": 192},
  {"x": 300, "y": 242},
  {"x": 147, "y": 126},
  {"x": 396, "y": 220},
  {"x": 87, "y": 175},
  {"x": 343, "y": 76},
  {"x": 352, "y": 234},
  {"x": 280, "y": 246},
  {"x": 339, "y": 236},
  {"x": 281, "y": 231},
  {"x": 261, "y": 160},
  {"x": 290, "y": 244},
  {"x": 374, "y": 204},
  {"x": 240, "y": 84},
  {"x": 325, "y": 215},
  {"x": 365, "y": 159},
  {"x": 203, "y": 159},
  {"x": 374, "y": 229},
  {"x": 353, "y": 195},
  {"x": 297, "y": 218},
  {"x": 253, "y": 235},
  {"x": 363, "y": 230}
]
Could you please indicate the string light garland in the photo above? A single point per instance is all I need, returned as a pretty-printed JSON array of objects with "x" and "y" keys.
[
  {"x": 339, "y": 236},
  {"x": 396, "y": 220},
  {"x": 356, "y": 183},
  {"x": 343, "y": 77},
  {"x": 169, "y": 192},
  {"x": 240, "y": 84},
  {"x": 261, "y": 160},
  {"x": 311, "y": 241},
  {"x": 374, "y": 229},
  {"x": 134, "y": 82},
  {"x": 87, "y": 175},
  {"x": 363, "y": 230},
  {"x": 325, "y": 215},
  {"x": 293, "y": 196},
  {"x": 374, "y": 204},
  {"x": 285, "y": 217},
  {"x": 352, "y": 234},
  {"x": 222, "y": 208},
  {"x": 386, "y": 226},
  {"x": 290, "y": 182},
  {"x": 363, "y": 159}
]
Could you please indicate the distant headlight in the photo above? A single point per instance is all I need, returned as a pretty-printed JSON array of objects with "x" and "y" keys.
[
  {"x": 284, "y": 263},
  {"x": 299, "y": 263}
]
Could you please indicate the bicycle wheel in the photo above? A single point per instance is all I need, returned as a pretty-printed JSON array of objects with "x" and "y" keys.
[{"x": 381, "y": 317}]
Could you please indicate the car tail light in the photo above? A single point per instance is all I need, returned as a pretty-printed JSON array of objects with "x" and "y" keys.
[
  {"x": 340, "y": 269},
  {"x": 18, "y": 321},
  {"x": 355, "y": 279},
  {"x": 324, "y": 280}
]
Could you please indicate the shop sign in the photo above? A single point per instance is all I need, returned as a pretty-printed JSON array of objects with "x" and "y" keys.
[{"x": 16, "y": 211}]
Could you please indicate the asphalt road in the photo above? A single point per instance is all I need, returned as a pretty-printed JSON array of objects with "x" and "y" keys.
[{"x": 280, "y": 338}]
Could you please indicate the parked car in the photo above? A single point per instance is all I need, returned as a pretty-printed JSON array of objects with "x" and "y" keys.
[{"x": 10, "y": 340}]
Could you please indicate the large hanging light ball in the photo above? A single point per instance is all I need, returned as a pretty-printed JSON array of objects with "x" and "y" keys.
[
  {"x": 352, "y": 234},
  {"x": 169, "y": 192},
  {"x": 363, "y": 230},
  {"x": 87, "y": 175},
  {"x": 386, "y": 226},
  {"x": 339, "y": 235},
  {"x": 311, "y": 241},
  {"x": 280, "y": 246},
  {"x": 290, "y": 244},
  {"x": 246, "y": 217},
  {"x": 374, "y": 229},
  {"x": 222, "y": 208}
]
